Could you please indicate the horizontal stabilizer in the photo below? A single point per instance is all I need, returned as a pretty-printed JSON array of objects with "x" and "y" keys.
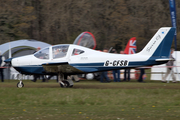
[{"x": 162, "y": 60}]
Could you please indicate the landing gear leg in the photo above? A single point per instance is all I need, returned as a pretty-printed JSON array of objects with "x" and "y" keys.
[{"x": 20, "y": 83}]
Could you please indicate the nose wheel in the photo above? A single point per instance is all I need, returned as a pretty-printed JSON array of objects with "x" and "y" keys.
[{"x": 20, "y": 83}]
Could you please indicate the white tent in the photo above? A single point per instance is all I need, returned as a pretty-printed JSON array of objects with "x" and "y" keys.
[
  {"x": 19, "y": 48},
  {"x": 22, "y": 47},
  {"x": 158, "y": 71}
]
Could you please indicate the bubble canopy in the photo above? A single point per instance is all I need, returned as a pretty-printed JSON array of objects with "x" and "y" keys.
[
  {"x": 21, "y": 47},
  {"x": 86, "y": 39}
]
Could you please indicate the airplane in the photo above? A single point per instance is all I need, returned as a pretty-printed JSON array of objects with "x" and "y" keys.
[{"x": 70, "y": 59}]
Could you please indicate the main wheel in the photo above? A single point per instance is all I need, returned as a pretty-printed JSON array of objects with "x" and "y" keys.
[
  {"x": 20, "y": 84},
  {"x": 66, "y": 84}
]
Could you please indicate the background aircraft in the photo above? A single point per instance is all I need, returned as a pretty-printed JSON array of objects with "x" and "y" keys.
[{"x": 68, "y": 59}]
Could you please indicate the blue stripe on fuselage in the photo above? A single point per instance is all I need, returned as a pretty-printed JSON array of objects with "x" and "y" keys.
[
  {"x": 31, "y": 69},
  {"x": 96, "y": 67}
]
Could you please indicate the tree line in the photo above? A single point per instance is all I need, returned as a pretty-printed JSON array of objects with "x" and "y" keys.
[{"x": 113, "y": 22}]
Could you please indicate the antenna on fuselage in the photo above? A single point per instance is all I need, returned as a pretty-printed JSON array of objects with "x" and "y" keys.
[{"x": 110, "y": 49}]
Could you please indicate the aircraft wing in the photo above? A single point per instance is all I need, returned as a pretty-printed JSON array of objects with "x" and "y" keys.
[{"x": 60, "y": 67}]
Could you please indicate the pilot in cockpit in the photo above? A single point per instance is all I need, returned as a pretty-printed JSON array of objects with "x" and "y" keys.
[{"x": 57, "y": 53}]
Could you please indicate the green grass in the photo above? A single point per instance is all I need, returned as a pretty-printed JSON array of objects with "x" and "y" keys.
[{"x": 90, "y": 100}]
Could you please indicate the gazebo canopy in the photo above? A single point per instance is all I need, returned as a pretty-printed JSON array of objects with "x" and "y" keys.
[{"x": 21, "y": 47}]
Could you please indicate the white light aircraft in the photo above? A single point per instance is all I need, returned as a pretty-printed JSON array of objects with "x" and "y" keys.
[{"x": 69, "y": 59}]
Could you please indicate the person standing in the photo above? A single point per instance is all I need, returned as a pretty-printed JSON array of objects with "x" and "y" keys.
[
  {"x": 116, "y": 73},
  {"x": 2, "y": 63},
  {"x": 104, "y": 74},
  {"x": 126, "y": 71},
  {"x": 142, "y": 72},
  {"x": 169, "y": 67},
  {"x": 126, "y": 74}
]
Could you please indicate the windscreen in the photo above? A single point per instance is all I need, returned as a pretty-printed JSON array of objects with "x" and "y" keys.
[{"x": 42, "y": 54}]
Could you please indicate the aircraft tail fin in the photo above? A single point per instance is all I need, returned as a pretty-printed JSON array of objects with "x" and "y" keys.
[
  {"x": 131, "y": 46},
  {"x": 160, "y": 44}
]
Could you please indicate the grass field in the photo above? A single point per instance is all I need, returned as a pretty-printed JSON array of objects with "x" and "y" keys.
[{"x": 90, "y": 100}]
